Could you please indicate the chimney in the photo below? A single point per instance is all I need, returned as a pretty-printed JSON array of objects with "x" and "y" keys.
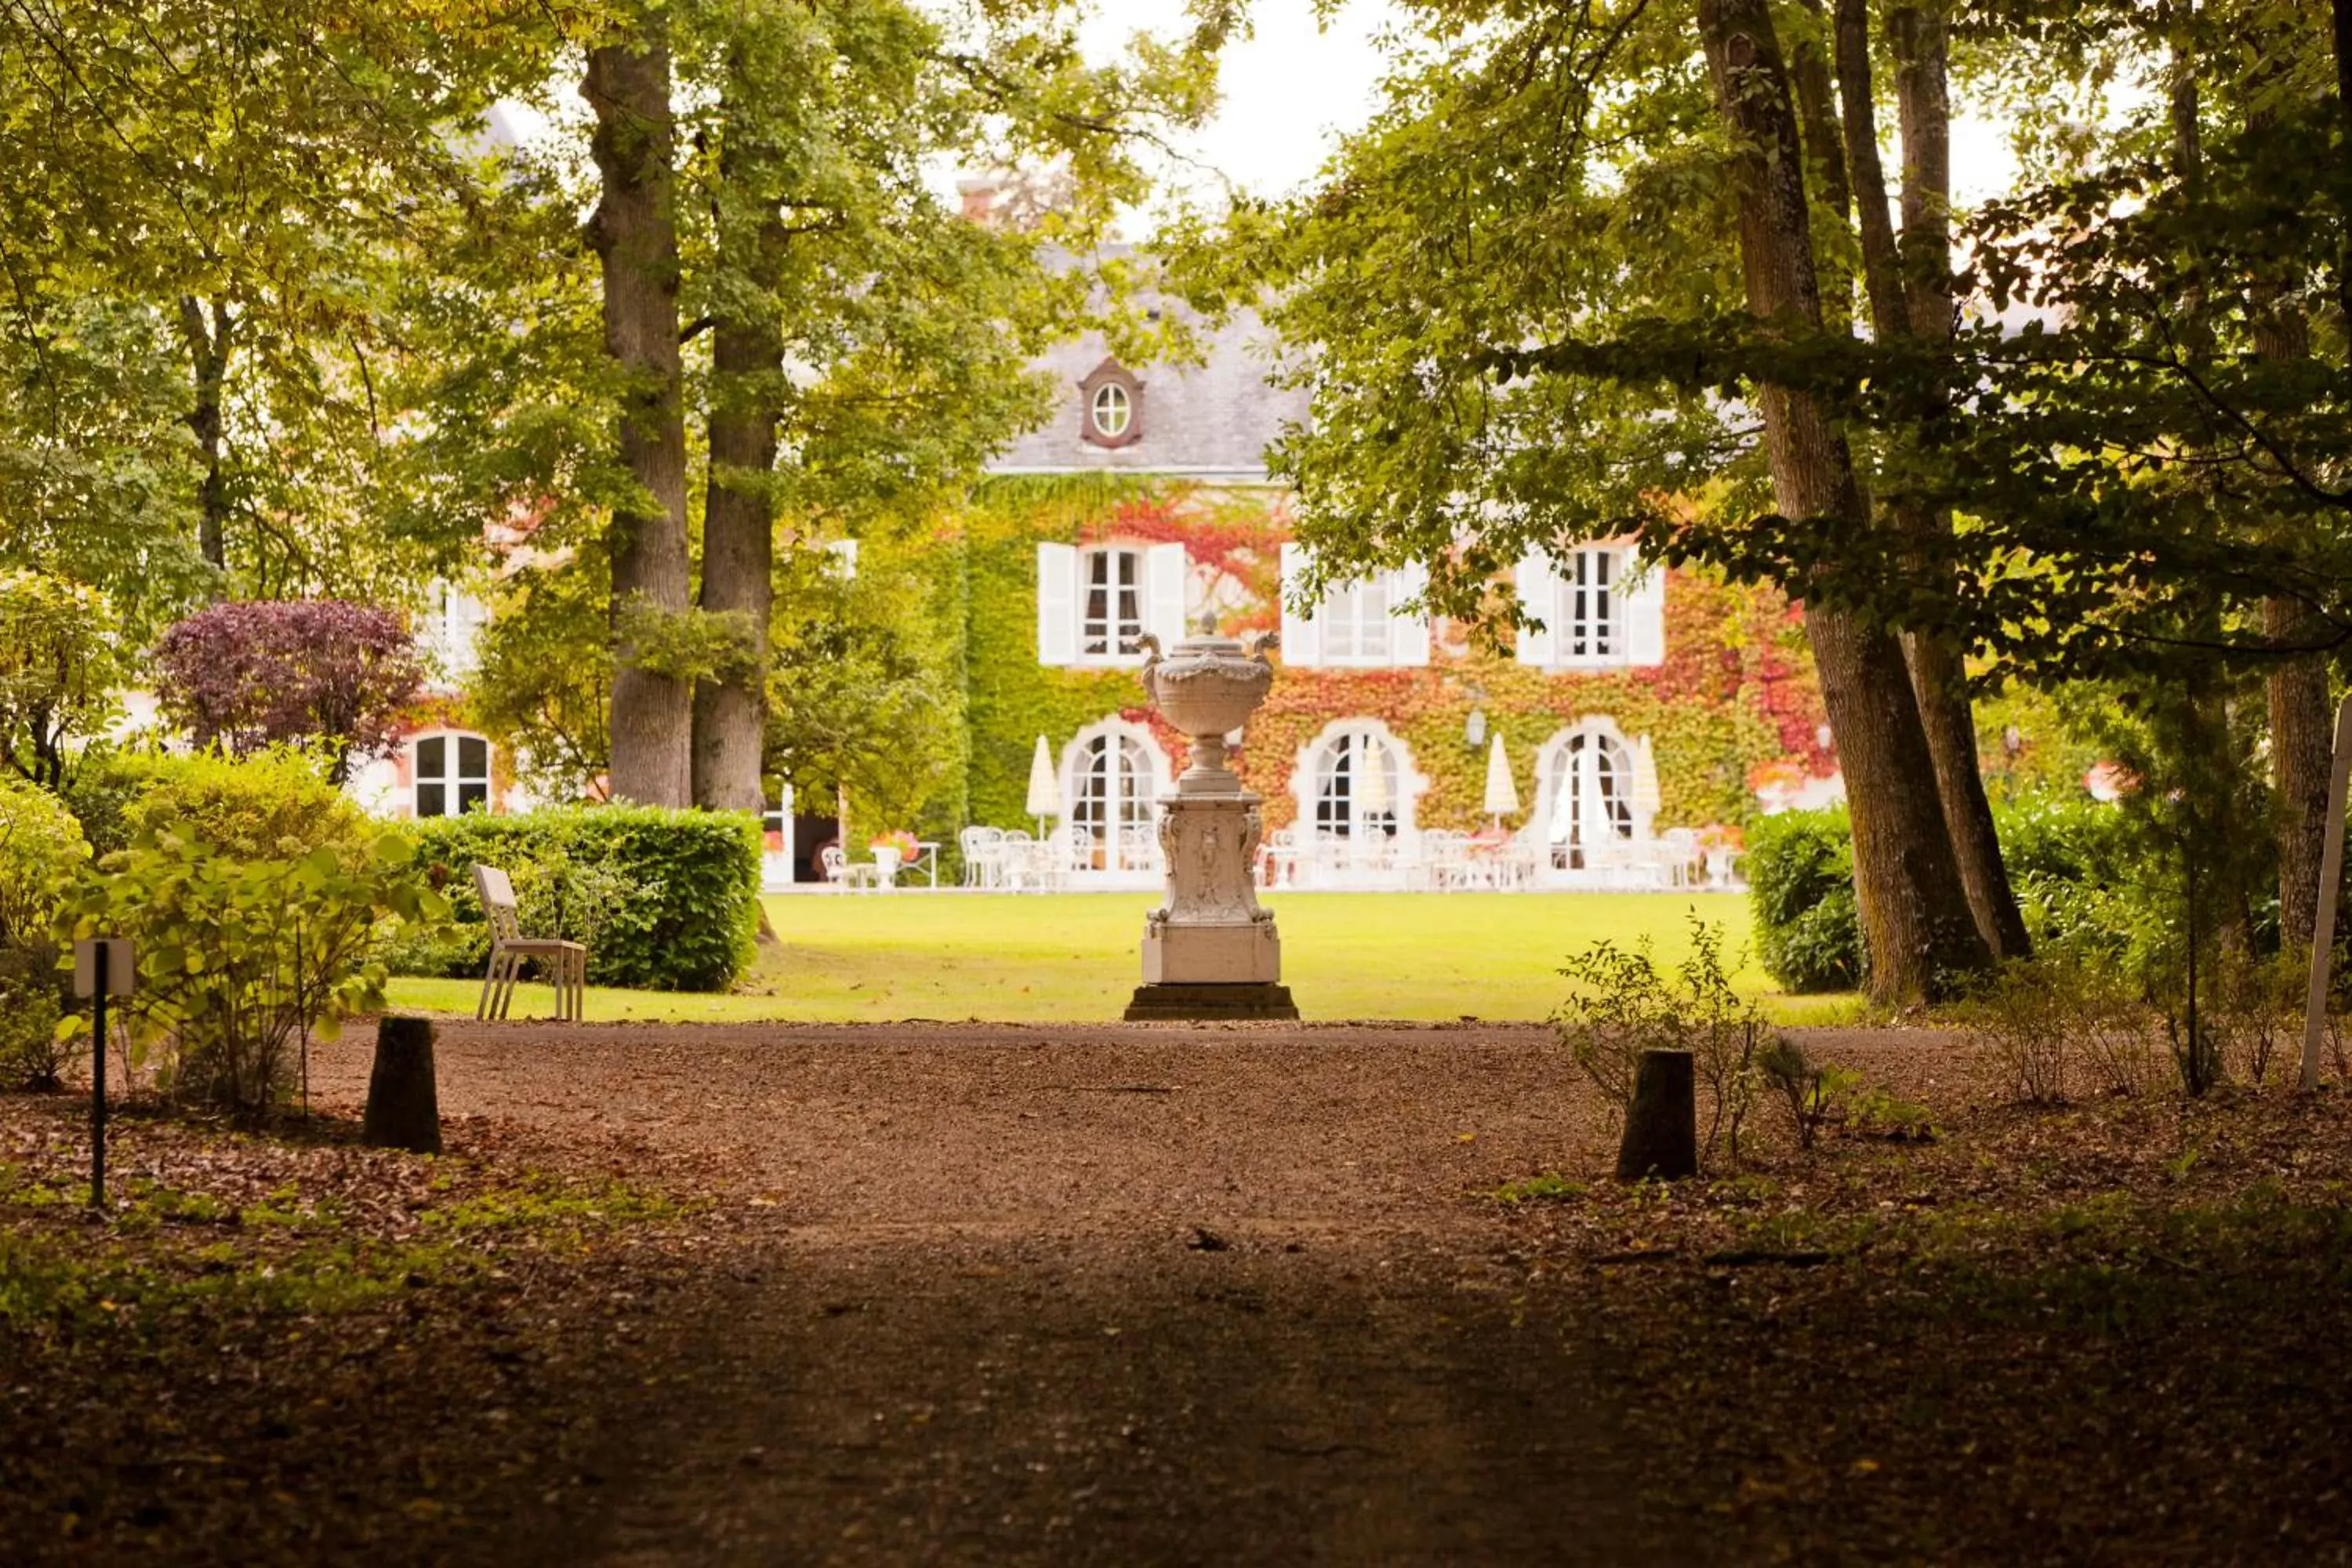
[{"x": 980, "y": 192}]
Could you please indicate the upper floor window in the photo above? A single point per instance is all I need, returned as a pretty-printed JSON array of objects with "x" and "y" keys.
[
  {"x": 450, "y": 632},
  {"x": 1599, "y": 606},
  {"x": 1362, "y": 622},
  {"x": 453, "y": 775},
  {"x": 842, "y": 562},
  {"x": 1110, "y": 404},
  {"x": 1112, "y": 410},
  {"x": 1093, "y": 603}
]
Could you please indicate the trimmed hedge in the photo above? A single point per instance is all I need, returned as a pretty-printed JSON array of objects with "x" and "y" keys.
[
  {"x": 1800, "y": 888},
  {"x": 261, "y": 806},
  {"x": 666, "y": 899}
]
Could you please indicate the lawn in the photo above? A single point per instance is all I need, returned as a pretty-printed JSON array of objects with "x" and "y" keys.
[{"x": 1073, "y": 957}]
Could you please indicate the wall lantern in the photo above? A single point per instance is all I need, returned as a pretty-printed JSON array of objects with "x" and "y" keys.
[
  {"x": 1474, "y": 729},
  {"x": 2012, "y": 741},
  {"x": 1825, "y": 738}
]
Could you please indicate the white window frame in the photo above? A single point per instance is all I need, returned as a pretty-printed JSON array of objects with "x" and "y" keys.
[
  {"x": 1338, "y": 630},
  {"x": 1124, "y": 404},
  {"x": 1141, "y": 762},
  {"x": 453, "y": 779},
  {"x": 452, "y": 631},
  {"x": 1602, "y": 608},
  {"x": 1065, "y": 589},
  {"x": 1318, "y": 757},
  {"x": 1119, "y": 568}
]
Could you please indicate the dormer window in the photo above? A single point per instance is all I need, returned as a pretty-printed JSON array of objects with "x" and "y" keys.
[
  {"x": 1111, "y": 411},
  {"x": 1110, "y": 404}
]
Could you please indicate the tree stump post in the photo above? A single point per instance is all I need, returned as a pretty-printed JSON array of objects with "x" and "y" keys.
[
  {"x": 404, "y": 1110},
  {"x": 1662, "y": 1124}
]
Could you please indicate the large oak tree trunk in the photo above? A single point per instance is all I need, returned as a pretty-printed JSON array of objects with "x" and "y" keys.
[
  {"x": 731, "y": 710},
  {"x": 635, "y": 234},
  {"x": 1923, "y": 96},
  {"x": 1915, "y": 911}
]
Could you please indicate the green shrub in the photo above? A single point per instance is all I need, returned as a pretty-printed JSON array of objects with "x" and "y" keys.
[
  {"x": 41, "y": 851},
  {"x": 239, "y": 954},
  {"x": 1800, "y": 870},
  {"x": 270, "y": 805},
  {"x": 667, "y": 900}
]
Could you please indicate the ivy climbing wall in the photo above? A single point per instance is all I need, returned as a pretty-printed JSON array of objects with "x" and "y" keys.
[{"x": 1734, "y": 700}]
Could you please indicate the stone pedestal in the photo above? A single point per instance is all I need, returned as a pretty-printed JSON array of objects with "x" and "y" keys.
[{"x": 1209, "y": 952}]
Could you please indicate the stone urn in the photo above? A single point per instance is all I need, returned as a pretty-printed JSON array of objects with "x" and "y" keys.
[
  {"x": 1207, "y": 688},
  {"x": 1208, "y": 950}
]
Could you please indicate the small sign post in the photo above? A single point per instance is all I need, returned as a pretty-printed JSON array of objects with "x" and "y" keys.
[{"x": 102, "y": 968}]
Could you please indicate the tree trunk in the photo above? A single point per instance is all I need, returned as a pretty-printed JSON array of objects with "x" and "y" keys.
[
  {"x": 1911, "y": 296},
  {"x": 635, "y": 234},
  {"x": 404, "y": 1107},
  {"x": 731, "y": 710},
  {"x": 1661, "y": 1140},
  {"x": 206, "y": 333},
  {"x": 2301, "y": 718},
  {"x": 1914, "y": 911}
]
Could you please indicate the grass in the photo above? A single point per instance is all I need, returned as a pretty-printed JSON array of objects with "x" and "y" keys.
[{"x": 1073, "y": 958}]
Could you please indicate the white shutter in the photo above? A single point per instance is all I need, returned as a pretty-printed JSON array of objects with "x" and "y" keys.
[
  {"x": 1057, "y": 603},
  {"x": 1539, "y": 597},
  {"x": 1408, "y": 634},
  {"x": 1166, "y": 574},
  {"x": 1642, "y": 590},
  {"x": 1302, "y": 636}
]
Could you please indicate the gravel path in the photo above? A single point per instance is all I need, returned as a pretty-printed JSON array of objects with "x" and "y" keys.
[{"x": 1103, "y": 1294}]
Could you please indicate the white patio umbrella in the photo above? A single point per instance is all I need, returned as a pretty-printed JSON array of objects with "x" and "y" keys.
[
  {"x": 1045, "y": 789},
  {"x": 1645, "y": 780},
  {"x": 1372, "y": 762},
  {"x": 1502, "y": 790}
]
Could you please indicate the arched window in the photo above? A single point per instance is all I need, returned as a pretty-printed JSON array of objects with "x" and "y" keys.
[
  {"x": 1587, "y": 794},
  {"x": 1113, "y": 776},
  {"x": 452, "y": 773},
  {"x": 1358, "y": 787}
]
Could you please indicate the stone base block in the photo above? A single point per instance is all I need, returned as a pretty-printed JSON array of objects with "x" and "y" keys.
[
  {"x": 1246, "y": 954},
  {"x": 1166, "y": 1001}
]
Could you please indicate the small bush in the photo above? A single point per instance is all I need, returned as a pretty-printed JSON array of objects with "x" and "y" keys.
[
  {"x": 41, "y": 852},
  {"x": 1626, "y": 1004},
  {"x": 667, "y": 900},
  {"x": 1800, "y": 888},
  {"x": 240, "y": 955}
]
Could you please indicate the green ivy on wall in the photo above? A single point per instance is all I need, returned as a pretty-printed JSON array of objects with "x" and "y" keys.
[{"x": 1734, "y": 695}]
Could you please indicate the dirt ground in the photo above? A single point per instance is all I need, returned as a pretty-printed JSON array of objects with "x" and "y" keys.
[
  {"x": 1217, "y": 1294},
  {"x": 1119, "y": 1295}
]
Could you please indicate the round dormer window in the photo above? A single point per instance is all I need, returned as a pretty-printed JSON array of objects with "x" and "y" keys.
[
  {"x": 1112, "y": 411},
  {"x": 1110, "y": 405}
]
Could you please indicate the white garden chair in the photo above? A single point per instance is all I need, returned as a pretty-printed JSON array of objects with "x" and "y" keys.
[
  {"x": 834, "y": 862},
  {"x": 564, "y": 962}
]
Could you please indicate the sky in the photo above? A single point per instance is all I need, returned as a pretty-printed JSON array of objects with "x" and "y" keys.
[{"x": 1291, "y": 90}]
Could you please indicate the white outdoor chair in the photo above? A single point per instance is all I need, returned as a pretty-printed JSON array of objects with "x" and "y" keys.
[
  {"x": 978, "y": 845},
  {"x": 833, "y": 860},
  {"x": 564, "y": 962}
]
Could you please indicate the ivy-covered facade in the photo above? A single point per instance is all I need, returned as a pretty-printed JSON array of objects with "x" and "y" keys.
[{"x": 1652, "y": 701}]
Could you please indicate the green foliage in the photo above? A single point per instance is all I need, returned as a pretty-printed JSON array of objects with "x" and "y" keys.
[
  {"x": 58, "y": 668},
  {"x": 1625, "y": 1004},
  {"x": 667, "y": 901},
  {"x": 241, "y": 955},
  {"x": 1799, "y": 870},
  {"x": 41, "y": 853},
  {"x": 543, "y": 689},
  {"x": 272, "y": 805},
  {"x": 2053, "y": 1026}
]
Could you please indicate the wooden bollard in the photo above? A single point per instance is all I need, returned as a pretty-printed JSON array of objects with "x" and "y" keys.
[
  {"x": 403, "y": 1109},
  {"x": 1662, "y": 1124}
]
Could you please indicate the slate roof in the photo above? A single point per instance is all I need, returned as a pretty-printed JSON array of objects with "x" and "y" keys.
[{"x": 1211, "y": 420}]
